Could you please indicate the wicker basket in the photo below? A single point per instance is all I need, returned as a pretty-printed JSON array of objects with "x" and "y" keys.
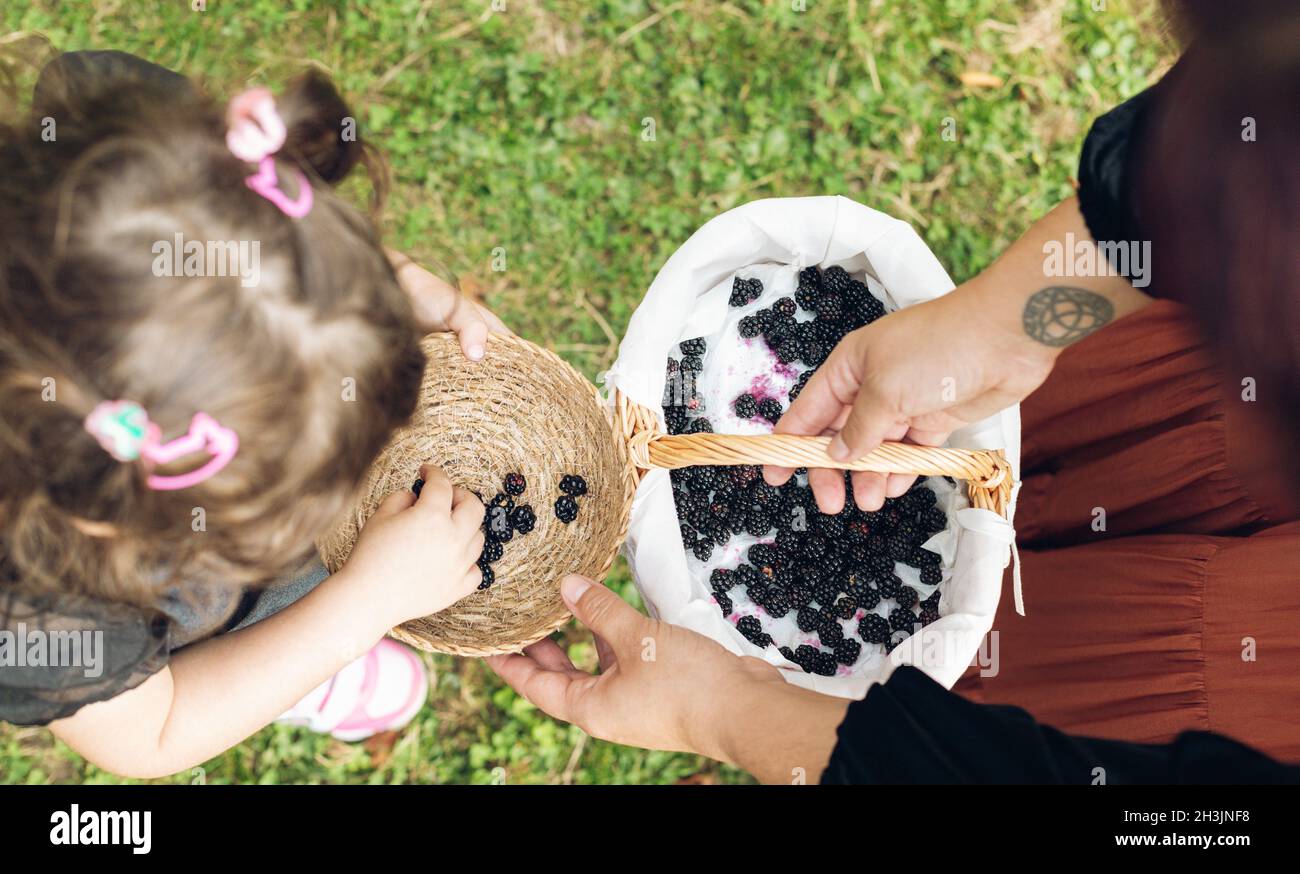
[{"x": 524, "y": 409}]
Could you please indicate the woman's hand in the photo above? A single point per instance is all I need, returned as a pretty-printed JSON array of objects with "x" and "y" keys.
[
  {"x": 922, "y": 372},
  {"x": 916, "y": 375},
  {"x": 419, "y": 555},
  {"x": 667, "y": 688},
  {"x": 440, "y": 307}
]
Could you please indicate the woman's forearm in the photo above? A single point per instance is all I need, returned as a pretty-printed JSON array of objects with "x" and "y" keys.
[
  {"x": 218, "y": 692},
  {"x": 778, "y": 732},
  {"x": 1055, "y": 285}
]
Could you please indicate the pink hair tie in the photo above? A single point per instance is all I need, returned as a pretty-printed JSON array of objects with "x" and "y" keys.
[
  {"x": 255, "y": 133},
  {"x": 124, "y": 430}
]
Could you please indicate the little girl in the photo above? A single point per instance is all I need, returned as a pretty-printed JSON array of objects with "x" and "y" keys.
[{"x": 175, "y": 433}]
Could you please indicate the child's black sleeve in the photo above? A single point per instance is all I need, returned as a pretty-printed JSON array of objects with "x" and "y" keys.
[{"x": 57, "y": 656}]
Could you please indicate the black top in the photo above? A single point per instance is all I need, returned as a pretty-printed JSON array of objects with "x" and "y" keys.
[
  {"x": 912, "y": 730},
  {"x": 1111, "y": 157}
]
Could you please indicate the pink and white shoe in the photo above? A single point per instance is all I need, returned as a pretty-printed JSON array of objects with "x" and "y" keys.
[{"x": 381, "y": 691}]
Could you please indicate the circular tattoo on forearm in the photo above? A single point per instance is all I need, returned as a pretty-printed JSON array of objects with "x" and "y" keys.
[{"x": 1060, "y": 315}]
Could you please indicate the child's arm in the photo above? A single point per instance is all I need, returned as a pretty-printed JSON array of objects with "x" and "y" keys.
[
  {"x": 440, "y": 307},
  {"x": 415, "y": 557}
]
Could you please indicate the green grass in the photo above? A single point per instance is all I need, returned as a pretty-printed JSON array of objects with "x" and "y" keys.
[{"x": 522, "y": 131}]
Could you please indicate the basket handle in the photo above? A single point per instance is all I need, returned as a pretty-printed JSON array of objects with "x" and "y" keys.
[{"x": 986, "y": 471}]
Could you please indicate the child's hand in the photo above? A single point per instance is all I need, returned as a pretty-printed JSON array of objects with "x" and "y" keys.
[
  {"x": 419, "y": 556},
  {"x": 440, "y": 307}
]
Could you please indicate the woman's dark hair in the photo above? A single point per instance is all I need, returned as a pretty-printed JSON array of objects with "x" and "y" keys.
[
  {"x": 313, "y": 365},
  {"x": 1219, "y": 192}
]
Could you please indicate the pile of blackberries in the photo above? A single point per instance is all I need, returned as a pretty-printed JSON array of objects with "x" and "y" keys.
[
  {"x": 826, "y": 569},
  {"x": 838, "y": 304},
  {"x": 502, "y": 519}
]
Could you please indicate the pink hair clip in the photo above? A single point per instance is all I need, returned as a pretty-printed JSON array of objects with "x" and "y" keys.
[
  {"x": 256, "y": 132},
  {"x": 124, "y": 430}
]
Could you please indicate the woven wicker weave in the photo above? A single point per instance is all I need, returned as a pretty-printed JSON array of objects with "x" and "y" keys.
[{"x": 524, "y": 409}]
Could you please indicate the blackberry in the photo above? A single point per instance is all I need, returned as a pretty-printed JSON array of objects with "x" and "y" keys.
[
  {"x": 813, "y": 546},
  {"x": 907, "y": 597},
  {"x": 907, "y": 531},
  {"x": 847, "y": 651},
  {"x": 879, "y": 565},
  {"x": 872, "y": 309},
  {"x": 786, "y": 653},
  {"x": 920, "y": 497},
  {"x": 901, "y": 619},
  {"x": 866, "y": 596},
  {"x": 758, "y": 592},
  {"x": 790, "y": 350},
  {"x": 825, "y": 592},
  {"x": 699, "y": 425},
  {"x": 496, "y": 523},
  {"x": 830, "y": 634},
  {"x": 724, "y": 603},
  {"x": 814, "y": 353},
  {"x": 514, "y": 484},
  {"x": 824, "y": 665},
  {"x": 703, "y": 549},
  {"x": 800, "y": 596},
  {"x": 804, "y": 656},
  {"x": 746, "y": 406},
  {"x": 701, "y": 479},
  {"x": 744, "y": 475},
  {"x": 572, "y": 484},
  {"x": 674, "y": 419},
  {"x": 836, "y": 280},
  {"x": 828, "y": 307},
  {"x": 845, "y": 608},
  {"x": 931, "y": 576},
  {"x": 489, "y": 576},
  {"x": 770, "y": 409},
  {"x": 874, "y": 628},
  {"x": 744, "y": 291},
  {"x": 695, "y": 346},
  {"x": 934, "y": 519},
  {"x": 749, "y": 327},
  {"x": 808, "y": 619},
  {"x": 748, "y": 575},
  {"x": 492, "y": 550},
  {"x": 721, "y": 580},
  {"x": 692, "y": 364},
  {"x": 799, "y": 384},
  {"x": 757, "y": 523},
  {"x": 899, "y": 549},
  {"x": 833, "y": 562},
  {"x": 888, "y": 585},
  {"x": 932, "y": 602},
  {"x": 776, "y": 603},
  {"x": 786, "y": 306},
  {"x": 522, "y": 519},
  {"x": 806, "y": 295},
  {"x": 672, "y": 366},
  {"x": 566, "y": 509},
  {"x": 927, "y": 616},
  {"x": 752, "y": 630},
  {"x": 924, "y": 558},
  {"x": 417, "y": 486}
]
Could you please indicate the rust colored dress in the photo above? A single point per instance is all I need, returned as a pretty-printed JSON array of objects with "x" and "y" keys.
[{"x": 1184, "y": 612}]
